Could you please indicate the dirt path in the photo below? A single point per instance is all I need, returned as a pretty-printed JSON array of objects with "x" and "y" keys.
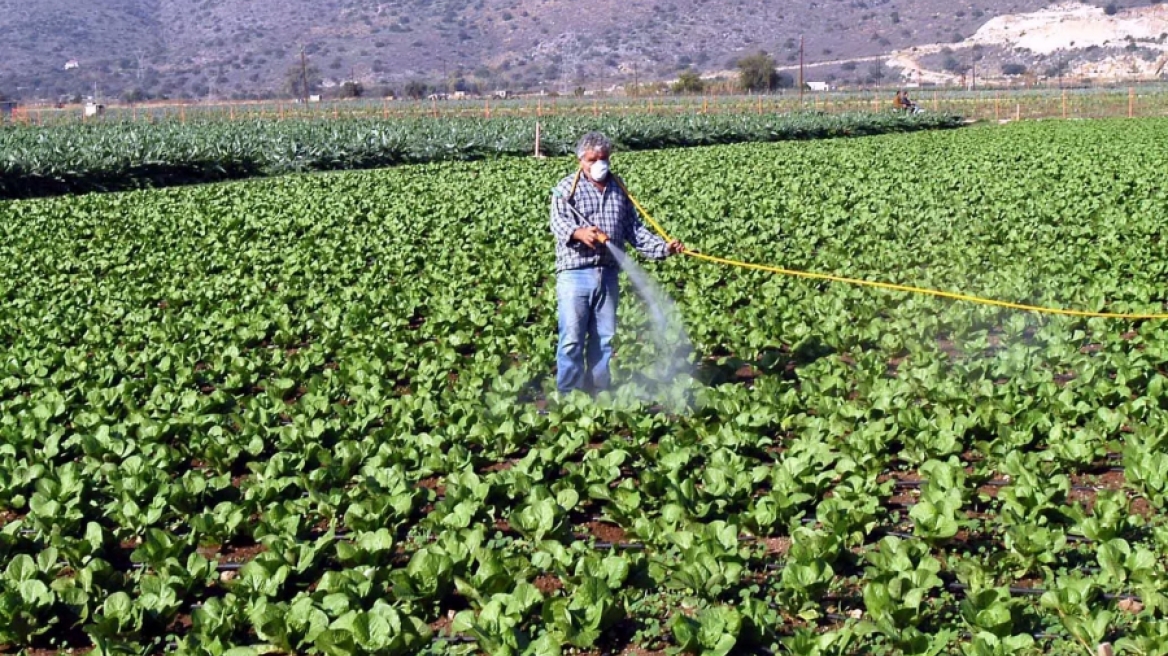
[{"x": 911, "y": 69}]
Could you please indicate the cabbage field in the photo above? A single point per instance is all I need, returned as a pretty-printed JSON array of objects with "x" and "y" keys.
[
  {"x": 123, "y": 155},
  {"x": 316, "y": 414}
]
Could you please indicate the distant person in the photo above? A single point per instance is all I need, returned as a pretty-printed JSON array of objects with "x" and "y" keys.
[
  {"x": 591, "y": 213},
  {"x": 903, "y": 103}
]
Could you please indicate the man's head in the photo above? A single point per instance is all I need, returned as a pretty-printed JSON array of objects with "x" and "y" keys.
[{"x": 593, "y": 151}]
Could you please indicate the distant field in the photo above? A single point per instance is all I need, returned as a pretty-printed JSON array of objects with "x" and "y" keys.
[
  {"x": 1142, "y": 100},
  {"x": 114, "y": 154}
]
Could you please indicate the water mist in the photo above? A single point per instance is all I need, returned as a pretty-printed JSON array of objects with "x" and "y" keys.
[{"x": 672, "y": 369}]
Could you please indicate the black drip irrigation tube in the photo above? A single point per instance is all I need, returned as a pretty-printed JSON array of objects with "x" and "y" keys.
[
  {"x": 345, "y": 536},
  {"x": 912, "y": 485},
  {"x": 638, "y": 546},
  {"x": 1038, "y": 592},
  {"x": 836, "y": 617},
  {"x": 1014, "y": 591}
]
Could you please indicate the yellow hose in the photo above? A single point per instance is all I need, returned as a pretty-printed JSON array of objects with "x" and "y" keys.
[{"x": 882, "y": 285}]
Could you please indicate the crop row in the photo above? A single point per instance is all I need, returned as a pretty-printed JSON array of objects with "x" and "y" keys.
[{"x": 124, "y": 155}]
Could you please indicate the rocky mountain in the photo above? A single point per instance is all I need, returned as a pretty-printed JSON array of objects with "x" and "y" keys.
[{"x": 253, "y": 48}]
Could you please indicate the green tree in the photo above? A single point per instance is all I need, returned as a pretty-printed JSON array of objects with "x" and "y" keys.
[
  {"x": 689, "y": 82},
  {"x": 351, "y": 90},
  {"x": 757, "y": 73},
  {"x": 416, "y": 89},
  {"x": 954, "y": 65}
]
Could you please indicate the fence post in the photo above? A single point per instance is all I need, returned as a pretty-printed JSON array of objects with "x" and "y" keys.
[
  {"x": 1017, "y": 111},
  {"x": 538, "y": 154},
  {"x": 1064, "y": 104},
  {"x": 487, "y": 108},
  {"x": 1131, "y": 102},
  {"x": 997, "y": 102},
  {"x": 182, "y": 113}
]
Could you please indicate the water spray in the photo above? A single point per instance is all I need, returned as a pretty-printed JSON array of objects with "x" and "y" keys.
[{"x": 669, "y": 336}]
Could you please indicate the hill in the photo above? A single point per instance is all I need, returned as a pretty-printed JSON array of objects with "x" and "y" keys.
[{"x": 251, "y": 48}]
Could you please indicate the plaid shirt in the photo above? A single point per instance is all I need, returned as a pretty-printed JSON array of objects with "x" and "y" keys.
[{"x": 612, "y": 212}]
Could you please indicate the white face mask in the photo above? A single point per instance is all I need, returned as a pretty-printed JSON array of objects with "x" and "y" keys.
[{"x": 599, "y": 170}]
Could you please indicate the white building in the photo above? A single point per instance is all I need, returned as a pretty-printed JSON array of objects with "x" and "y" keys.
[{"x": 72, "y": 64}]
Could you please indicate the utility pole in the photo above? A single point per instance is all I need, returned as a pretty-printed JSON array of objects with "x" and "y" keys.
[
  {"x": 636, "y": 81},
  {"x": 140, "y": 56},
  {"x": 802, "y": 81},
  {"x": 303, "y": 76}
]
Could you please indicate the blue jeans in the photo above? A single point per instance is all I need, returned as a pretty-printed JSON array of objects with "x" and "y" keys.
[{"x": 587, "y": 301}]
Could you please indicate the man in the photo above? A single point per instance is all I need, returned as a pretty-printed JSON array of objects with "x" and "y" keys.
[
  {"x": 591, "y": 213},
  {"x": 904, "y": 103},
  {"x": 899, "y": 103}
]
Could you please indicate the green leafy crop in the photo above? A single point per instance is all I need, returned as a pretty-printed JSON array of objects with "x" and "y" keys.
[{"x": 316, "y": 413}]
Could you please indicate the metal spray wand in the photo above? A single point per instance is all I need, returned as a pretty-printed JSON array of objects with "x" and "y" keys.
[{"x": 582, "y": 219}]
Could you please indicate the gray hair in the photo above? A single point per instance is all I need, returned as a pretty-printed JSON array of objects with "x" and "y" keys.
[{"x": 593, "y": 141}]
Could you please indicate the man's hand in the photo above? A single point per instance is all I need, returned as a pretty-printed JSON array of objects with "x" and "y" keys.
[
  {"x": 590, "y": 236},
  {"x": 676, "y": 247}
]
